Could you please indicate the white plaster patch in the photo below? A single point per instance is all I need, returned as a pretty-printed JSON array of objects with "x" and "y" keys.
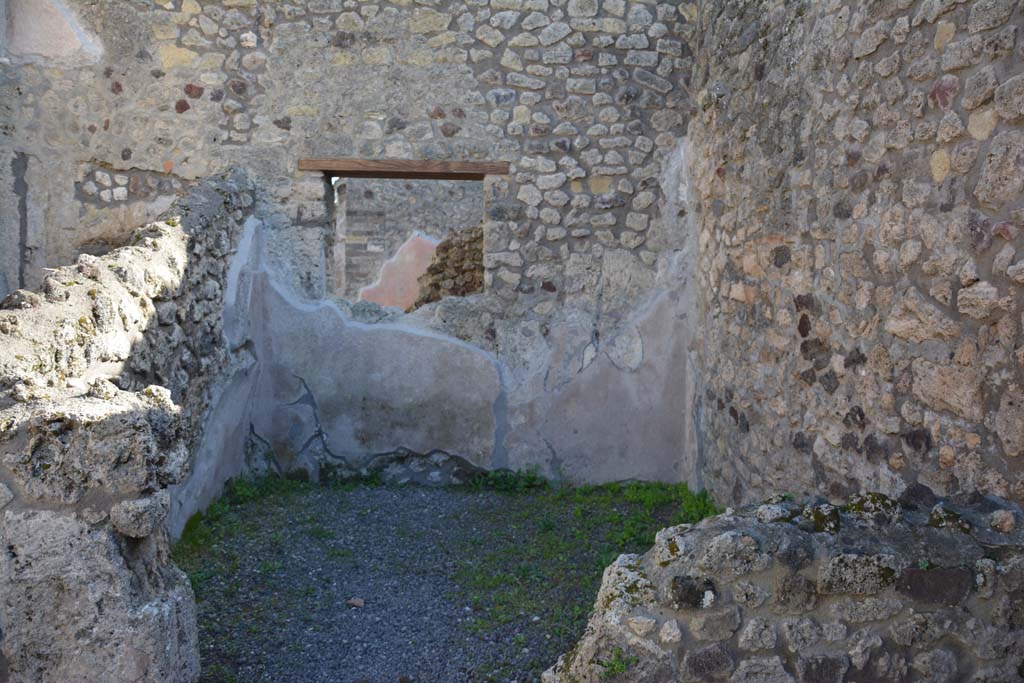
[
  {"x": 48, "y": 30},
  {"x": 627, "y": 351}
]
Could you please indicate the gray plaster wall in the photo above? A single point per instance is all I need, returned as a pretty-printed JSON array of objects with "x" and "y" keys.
[{"x": 319, "y": 386}]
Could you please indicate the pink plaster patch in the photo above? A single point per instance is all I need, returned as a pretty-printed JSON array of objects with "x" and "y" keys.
[{"x": 397, "y": 285}]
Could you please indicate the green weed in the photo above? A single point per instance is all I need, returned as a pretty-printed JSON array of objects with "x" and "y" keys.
[
  {"x": 509, "y": 481},
  {"x": 618, "y": 664}
]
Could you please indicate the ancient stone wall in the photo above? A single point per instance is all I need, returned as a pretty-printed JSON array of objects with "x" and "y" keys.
[
  {"x": 585, "y": 98},
  {"x": 877, "y": 591},
  {"x": 855, "y": 201},
  {"x": 816, "y": 290},
  {"x": 108, "y": 377},
  {"x": 857, "y": 185}
]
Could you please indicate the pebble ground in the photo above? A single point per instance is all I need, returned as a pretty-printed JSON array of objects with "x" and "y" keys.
[{"x": 455, "y": 585}]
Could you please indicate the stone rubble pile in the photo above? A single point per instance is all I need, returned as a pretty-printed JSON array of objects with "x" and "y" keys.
[{"x": 457, "y": 268}]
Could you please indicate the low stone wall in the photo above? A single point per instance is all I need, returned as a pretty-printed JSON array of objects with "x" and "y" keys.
[
  {"x": 105, "y": 383},
  {"x": 878, "y": 590}
]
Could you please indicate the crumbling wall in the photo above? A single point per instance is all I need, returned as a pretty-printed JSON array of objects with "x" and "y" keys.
[
  {"x": 107, "y": 379},
  {"x": 858, "y": 182},
  {"x": 457, "y": 268},
  {"x": 877, "y": 591}
]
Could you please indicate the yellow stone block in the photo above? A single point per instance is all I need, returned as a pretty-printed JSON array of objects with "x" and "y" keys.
[
  {"x": 600, "y": 184},
  {"x": 428, "y": 21},
  {"x": 377, "y": 54},
  {"x": 165, "y": 31},
  {"x": 172, "y": 56},
  {"x": 944, "y": 31},
  {"x": 343, "y": 59},
  {"x": 191, "y": 7},
  {"x": 751, "y": 267},
  {"x": 420, "y": 57},
  {"x": 210, "y": 61},
  {"x": 613, "y": 26},
  {"x": 737, "y": 291},
  {"x": 451, "y": 55},
  {"x": 442, "y": 39},
  {"x": 302, "y": 110},
  {"x": 981, "y": 123},
  {"x": 939, "y": 165}
]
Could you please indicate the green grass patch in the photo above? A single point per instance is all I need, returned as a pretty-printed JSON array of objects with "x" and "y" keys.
[
  {"x": 509, "y": 481},
  {"x": 200, "y": 550},
  {"x": 549, "y": 546}
]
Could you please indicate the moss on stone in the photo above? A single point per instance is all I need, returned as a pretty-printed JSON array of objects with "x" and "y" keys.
[
  {"x": 825, "y": 518},
  {"x": 944, "y": 518},
  {"x": 873, "y": 503}
]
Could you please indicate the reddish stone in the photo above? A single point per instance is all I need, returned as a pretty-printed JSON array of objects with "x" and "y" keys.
[
  {"x": 449, "y": 129},
  {"x": 106, "y": 124},
  {"x": 584, "y": 54},
  {"x": 436, "y": 113},
  {"x": 182, "y": 106},
  {"x": 548, "y": 286},
  {"x": 944, "y": 91},
  {"x": 92, "y": 128},
  {"x": 458, "y": 113},
  {"x": 168, "y": 166},
  {"x": 1006, "y": 230},
  {"x": 194, "y": 91},
  {"x": 116, "y": 88}
]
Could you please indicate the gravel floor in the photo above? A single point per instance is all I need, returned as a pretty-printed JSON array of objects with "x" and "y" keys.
[
  {"x": 284, "y": 615},
  {"x": 456, "y": 586}
]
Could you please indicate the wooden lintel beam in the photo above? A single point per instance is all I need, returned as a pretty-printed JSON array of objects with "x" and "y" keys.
[{"x": 411, "y": 169}]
